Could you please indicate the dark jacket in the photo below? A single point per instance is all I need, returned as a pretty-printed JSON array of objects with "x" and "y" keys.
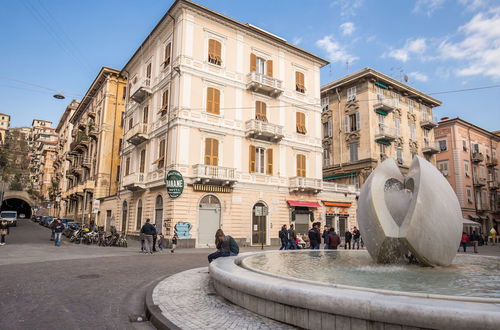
[
  {"x": 314, "y": 236},
  {"x": 284, "y": 234},
  {"x": 325, "y": 236},
  {"x": 58, "y": 227},
  {"x": 148, "y": 229},
  {"x": 291, "y": 234},
  {"x": 356, "y": 233},
  {"x": 348, "y": 236},
  {"x": 333, "y": 240}
]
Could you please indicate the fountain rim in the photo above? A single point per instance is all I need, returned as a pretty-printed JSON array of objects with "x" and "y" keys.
[{"x": 240, "y": 261}]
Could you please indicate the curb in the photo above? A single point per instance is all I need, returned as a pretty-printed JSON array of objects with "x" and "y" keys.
[{"x": 153, "y": 312}]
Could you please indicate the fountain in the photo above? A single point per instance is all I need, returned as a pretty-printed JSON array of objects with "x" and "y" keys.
[{"x": 414, "y": 218}]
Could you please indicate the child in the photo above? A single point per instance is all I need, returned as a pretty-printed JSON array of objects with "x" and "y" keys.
[
  {"x": 161, "y": 241},
  {"x": 174, "y": 243}
]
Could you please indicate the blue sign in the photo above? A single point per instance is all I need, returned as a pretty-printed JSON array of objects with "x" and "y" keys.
[{"x": 182, "y": 229}]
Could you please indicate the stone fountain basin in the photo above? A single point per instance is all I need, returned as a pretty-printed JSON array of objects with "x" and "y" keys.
[{"x": 313, "y": 305}]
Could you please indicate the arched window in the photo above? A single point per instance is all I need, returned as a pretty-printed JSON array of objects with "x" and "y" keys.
[
  {"x": 124, "y": 216},
  {"x": 158, "y": 211},
  {"x": 139, "y": 215}
]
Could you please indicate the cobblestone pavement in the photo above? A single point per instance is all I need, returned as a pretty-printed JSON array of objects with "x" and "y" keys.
[{"x": 188, "y": 300}]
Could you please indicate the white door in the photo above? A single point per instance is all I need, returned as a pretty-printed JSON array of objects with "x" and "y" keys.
[{"x": 208, "y": 221}]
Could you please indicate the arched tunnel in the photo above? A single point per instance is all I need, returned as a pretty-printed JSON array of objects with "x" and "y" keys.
[{"x": 18, "y": 205}]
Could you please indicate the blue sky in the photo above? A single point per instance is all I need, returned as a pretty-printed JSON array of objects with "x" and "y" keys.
[{"x": 441, "y": 45}]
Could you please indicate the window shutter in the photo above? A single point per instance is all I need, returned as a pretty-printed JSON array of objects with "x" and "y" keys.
[
  {"x": 269, "y": 64},
  {"x": 270, "y": 161},
  {"x": 210, "y": 97},
  {"x": 168, "y": 48},
  {"x": 358, "y": 124},
  {"x": 346, "y": 124},
  {"x": 301, "y": 165},
  {"x": 145, "y": 115},
  {"x": 208, "y": 151},
  {"x": 330, "y": 128},
  {"x": 218, "y": 51},
  {"x": 297, "y": 119},
  {"x": 297, "y": 80},
  {"x": 211, "y": 48},
  {"x": 253, "y": 63},
  {"x": 215, "y": 152},
  {"x": 260, "y": 111},
  {"x": 216, "y": 101},
  {"x": 251, "y": 157}
]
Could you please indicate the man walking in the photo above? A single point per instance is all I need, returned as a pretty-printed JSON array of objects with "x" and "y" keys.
[
  {"x": 314, "y": 237},
  {"x": 474, "y": 237},
  {"x": 283, "y": 234},
  {"x": 325, "y": 236},
  {"x": 356, "y": 236},
  {"x": 333, "y": 239},
  {"x": 292, "y": 238},
  {"x": 347, "y": 238},
  {"x": 148, "y": 230},
  {"x": 58, "y": 228}
]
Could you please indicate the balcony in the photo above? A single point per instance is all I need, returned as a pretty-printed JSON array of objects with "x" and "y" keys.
[
  {"x": 142, "y": 90},
  {"x": 137, "y": 134},
  {"x": 134, "y": 182},
  {"x": 430, "y": 147},
  {"x": 491, "y": 162},
  {"x": 477, "y": 157},
  {"x": 260, "y": 83},
  {"x": 493, "y": 185},
  {"x": 384, "y": 134},
  {"x": 428, "y": 122},
  {"x": 384, "y": 105},
  {"x": 209, "y": 174},
  {"x": 302, "y": 184},
  {"x": 89, "y": 185},
  {"x": 478, "y": 182},
  {"x": 86, "y": 162},
  {"x": 262, "y": 130}
]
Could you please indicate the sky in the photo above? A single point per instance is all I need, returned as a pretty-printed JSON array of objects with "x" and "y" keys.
[{"x": 59, "y": 46}]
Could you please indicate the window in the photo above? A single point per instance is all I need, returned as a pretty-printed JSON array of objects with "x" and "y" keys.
[
  {"x": 161, "y": 155},
  {"x": 168, "y": 50},
  {"x": 493, "y": 153},
  {"x": 327, "y": 129},
  {"x": 145, "y": 115},
  {"x": 213, "y": 100},
  {"x": 443, "y": 167},
  {"x": 475, "y": 148},
  {"x": 261, "y": 65},
  {"x": 469, "y": 194},
  {"x": 325, "y": 101},
  {"x": 148, "y": 74},
  {"x": 380, "y": 93},
  {"x": 301, "y": 123},
  {"x": 214, "y": 52},
  {"x": 301, "y": 165},
  {"x": 352, "y": 122},
  {"x": 399, "y": 155},
  {"x": 482, "y": 172},
  {"x": 412, "y": 131},
  {"x": 130, "y": 123},
  {"x": 426, "y": 133},
  {"x": 326, "y": 157},
  {"x": 353, "y": 151},
  {"x": 124, "y": 93},
  {"x": 299, "y": 82},
  {"x": 464, "y": 145},
  {"x": 466, "y": 168},
  {"x": 164, "y": 102},
  {"x": 127, "y": 166},
  {"x": 139, "y": 215},
  {"x": 442, "y": 145},
  {"x": 382, "y": 150},
  {"x": 260, "y": 160},
  {"x": 395, "y": 99},
  {"x": 411, "y": 106},
  {"x": 260, "y": 111},
  {"x": 211, "y": 152},
  {"x": 397, "y": 125},
  {"x": 351, "y": 94},
  {"x": 142, "y": 163}
]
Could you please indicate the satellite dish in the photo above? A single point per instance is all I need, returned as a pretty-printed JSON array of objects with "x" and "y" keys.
[{"x": 405, "y": 78}]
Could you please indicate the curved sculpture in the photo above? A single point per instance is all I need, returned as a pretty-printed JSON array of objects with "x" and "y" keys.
[{"x": 419, "y": 213}]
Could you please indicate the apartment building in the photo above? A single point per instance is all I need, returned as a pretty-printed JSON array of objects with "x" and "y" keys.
[
  {"x": 368, "y": 117},
  {"x": 4, "y": 126},
  {"x": 222, "y": 129},
  {"x": 63, "y": 130},
  {"x": 93, "y": 153},
  {"x": 468, "y": 158}
]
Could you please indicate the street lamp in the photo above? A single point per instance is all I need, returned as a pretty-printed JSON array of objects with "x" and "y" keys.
[{"x": 58, "y": 96}]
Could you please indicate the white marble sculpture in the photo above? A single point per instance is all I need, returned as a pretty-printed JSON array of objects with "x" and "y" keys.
[{"x": 418, "y": 213}]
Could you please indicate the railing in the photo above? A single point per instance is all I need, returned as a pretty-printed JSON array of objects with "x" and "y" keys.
[
  {"x": 133, "y": 179},
  {"x": 214, "y": 172},
  {"x": 339, "y": 187},
  {"x": 302, "y": 183},
  {"x": 141, "y": 89},
  {"x": 477, "y": 157},
  {"x": 479, "y": 181},
  {"x": 259, "y": 126},
  {"x": 259, "y": 81},
  {"x": 140, "y": 128},
  {"x": 384, "y": 104}
]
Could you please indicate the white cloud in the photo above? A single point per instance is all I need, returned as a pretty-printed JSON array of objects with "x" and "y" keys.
[
  {"x": 479, "y": 48},
  {"x": 347, "y": 7},
  {"x": 411, "y": 47},
  {"x": 347, "y": 28},
  {"x": 336, "y": 52},
  {"x": 473, "y": 5},
  {"x": 418, "y": 76},
  {"x": 428, "y": 7},
  {"x": 297, "y": 40}
]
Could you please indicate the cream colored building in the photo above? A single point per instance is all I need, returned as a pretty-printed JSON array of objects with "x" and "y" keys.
[
  {"x": 236, "y": 110},
  {"x": 368, "y": 117},
  {"x": 4, "y": 126},
  {"x": 93, "y": 153}
]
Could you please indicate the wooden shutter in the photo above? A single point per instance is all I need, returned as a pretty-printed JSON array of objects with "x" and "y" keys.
[
  {"x": 301, "y": 165},
  {"x": 253, "y": 63},
  {"x": 208, "y": 151},
  {"x": 251, "y": 157},
  {"x": 168, "y": 49},
  {"x": 299, "y": 82},
  {"x": 215, "y": 152},
  {"x": 148, "y": 71},
  {"x": 211, "y": 152},
  {"x": 260, "y": 111},
  {"x": 145, "y": 115},
  {"x": 301, "y": 123},
  {"x": 346, "y": 124},
  {"x": 213, "y": 100},
  {"x": 211, "y": 50},
  {"x": 217, "y": 52},
  {"x": 269, "y": 161},
  {"x": 358, "y": 123},
  {"x": 143, "y": 161},
  {"x": 164, "y": 101},
  {"x": 269, "y": 68},
  {"x": 297, "y": 122}
]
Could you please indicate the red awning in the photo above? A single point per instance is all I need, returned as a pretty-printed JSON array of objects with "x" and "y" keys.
[{"x": 303, "y": 203}]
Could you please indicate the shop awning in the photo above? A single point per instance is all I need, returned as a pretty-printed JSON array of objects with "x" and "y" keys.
[
  {"x": 303, "y": 203},
  {"x": 383, "y": 142},
  {"x": 471, "y": 223},
  {"x": 473, "y": 217},
  {"x": 337, "y": 204}
]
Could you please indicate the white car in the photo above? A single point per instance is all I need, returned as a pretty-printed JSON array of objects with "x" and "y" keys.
[{"x": 9, "y": 216}]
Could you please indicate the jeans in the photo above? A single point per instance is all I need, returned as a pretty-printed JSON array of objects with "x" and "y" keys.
[
  {"x": 218, "y": 254},
  {"x": 2, "y": 239},
  {"x": 464, "y": 246},
  {"x": 148, "y": 243},
  {"x": 57, "y": 238},
  {"x": 347, "y": 243},
  {"x": 154, "y": 242},
  {"x": 315, "y": 246},
  {"x": 284, "y": 244},
  {"x": 475, "y": 244},
  {"x": 356, "y": 241},
  {"x": 326, "y": 246},
  {"x": 292, "y": 245}
]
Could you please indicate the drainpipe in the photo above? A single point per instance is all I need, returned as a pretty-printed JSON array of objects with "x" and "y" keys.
[
  {"x": 340, "y": 125},
  {"x": 114, "y": 131}
]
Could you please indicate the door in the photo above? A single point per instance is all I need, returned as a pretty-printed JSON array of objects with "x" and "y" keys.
[
  {"x": 259, "y": 224},
  {"x": 302, "y": 223},
  {"x": 158, "y": 211},
  {"x": 124, "y": 216},
  {"x": 208, "y": 220}
]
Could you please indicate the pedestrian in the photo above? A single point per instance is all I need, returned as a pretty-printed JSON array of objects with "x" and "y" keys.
[
  {"x": 464, "y": 240},
  {"x": 493, "y": 234},
  {"x": 161, "y": 241},
  {"x": 141, "y": 238},
  {"x": 325, "y": 236},
  {"x": 474, "y": 237},
  {"x": 51, "y": 226},
  {"x": 155, "y": 237},
  {"x": 4, "y": 230},
  {"x": 314, "y": 237},
  {"x": 226, "y": 246},
  {"x": 333, "y": 239},
  {"x": 356, "y": 235},
  {"x": 58, "y": 228},
  {"x": 148, "y": 230},
  {"x": 292, "y": 238},
  {"x": 347, "y": 238},
  {"x": 283, "y": 235},
  {"x": 174, "y": 243}
]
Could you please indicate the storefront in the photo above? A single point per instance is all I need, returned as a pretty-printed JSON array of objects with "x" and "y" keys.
[
  {"x": 302, "y": 214},
  {"x": 337, "y": 216}
]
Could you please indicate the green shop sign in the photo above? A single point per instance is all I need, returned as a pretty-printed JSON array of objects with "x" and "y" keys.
[{"x": 175, "y": 183}]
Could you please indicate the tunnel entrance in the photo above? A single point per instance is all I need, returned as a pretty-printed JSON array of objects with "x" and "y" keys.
[{"x": 18, "y": 205}]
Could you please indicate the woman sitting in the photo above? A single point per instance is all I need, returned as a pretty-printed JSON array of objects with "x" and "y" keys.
[{"x": 226, "y": 246}]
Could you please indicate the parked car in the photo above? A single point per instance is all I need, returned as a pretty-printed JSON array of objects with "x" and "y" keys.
[
  {"x": 10, "y": 216},
  {"x": 37, "y": 218},
  {"x": 45, "y": 221}
]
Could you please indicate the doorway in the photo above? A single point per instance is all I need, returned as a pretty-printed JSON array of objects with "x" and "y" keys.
[
  {"x": 124, "y": 216},
  {"x": 259, "y": 224},
  {"x": 158, "y": 211},
  {"x": 208, "y": 220}
]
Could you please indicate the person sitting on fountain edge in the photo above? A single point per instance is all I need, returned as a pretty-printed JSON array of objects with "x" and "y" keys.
[{"x": 226, "y": 246}]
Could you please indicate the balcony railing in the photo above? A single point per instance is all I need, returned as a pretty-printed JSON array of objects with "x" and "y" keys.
[
  {"x": 312, "y": 185},
  {"x": 428, "y": 121},
  {"x": 214, "y": 174},
  {"x": 385, "y": 133},
  {"x": 141, "y": 90},
  {"x": 263, "y": 130},
  {"x": 430, "y": 147},
  {"x": 384, "y": 104},
  {"x": 492, "y": 162},
  {"x": 477, "y": 157},
  {"x": 258, "y": 82},
  {"x": 134, "y": 181},
  {"x": 479, "y": 181},
  {"x": 137, "y": 134},
  {"x": 86, "y": 162},
  {"x": 493, "y": 185},
  {"x": 339, "y": 187}
]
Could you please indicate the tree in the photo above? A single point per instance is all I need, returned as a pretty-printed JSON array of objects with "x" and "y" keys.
[{"x": 16, "y": 184}]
